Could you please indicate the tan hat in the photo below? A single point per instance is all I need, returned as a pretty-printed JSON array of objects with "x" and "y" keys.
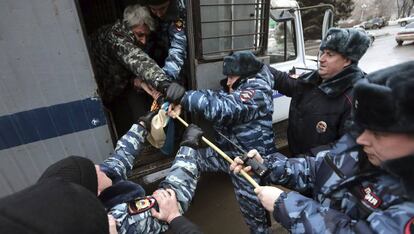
[{"x": 157, "y": 135}]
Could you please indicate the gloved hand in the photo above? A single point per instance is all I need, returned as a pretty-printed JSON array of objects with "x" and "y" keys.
[
  {"x": 192, "y": 136},
  {"x": 163, "y": 86},
  {"x": 175, "y": 93},
  {"x": 146, "y": 119}
]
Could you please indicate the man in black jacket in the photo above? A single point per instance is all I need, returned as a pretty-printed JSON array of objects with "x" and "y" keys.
[{"x": 321, "y": 100}]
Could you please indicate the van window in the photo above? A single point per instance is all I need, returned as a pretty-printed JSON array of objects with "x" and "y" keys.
[
  {"x": 281, "y": 45},
  {"x": 225, "y": 26}
]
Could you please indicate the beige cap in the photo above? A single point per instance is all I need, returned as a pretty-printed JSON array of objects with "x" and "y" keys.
[{"x": 157, "y": 135}]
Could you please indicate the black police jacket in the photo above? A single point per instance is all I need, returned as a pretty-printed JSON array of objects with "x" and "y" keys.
[{"x": 318, "y": 111}]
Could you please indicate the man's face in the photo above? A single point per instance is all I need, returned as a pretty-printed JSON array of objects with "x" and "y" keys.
[
  {"x": 331, "y": 63},
  {"x": 103, "y": 180},
  {"x": 141, "y": 33},
  {"x": 159, "y": 10},
  {"x": 380, "y": 146},
  {"x": 230, "y": 81}
]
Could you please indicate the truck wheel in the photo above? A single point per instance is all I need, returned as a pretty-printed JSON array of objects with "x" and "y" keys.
[
  {"x": 399, "y": 42},
  {"x": 402, "y": 24},
  {"x": 374, "y": 26}
]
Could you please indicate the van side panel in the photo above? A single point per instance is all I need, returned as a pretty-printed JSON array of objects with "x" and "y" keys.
[{"x": 48, "y": 103}]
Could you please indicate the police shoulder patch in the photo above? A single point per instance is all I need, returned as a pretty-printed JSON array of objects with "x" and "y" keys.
[
  {"x": 141, "y": 204},
  {"x": 246, "y": 95},
  {"x": 409, "y": 226},
  {"x": 370, "y": 198},
  {"x": 179, "y": 24}
]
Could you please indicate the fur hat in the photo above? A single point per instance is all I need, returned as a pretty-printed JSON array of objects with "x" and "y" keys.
[
  {"x": 74, "y": 169},
  {"x": 384, "y": 100},
  {"x": 351, "y": 43},
  {"x": 241, "y": 63}
]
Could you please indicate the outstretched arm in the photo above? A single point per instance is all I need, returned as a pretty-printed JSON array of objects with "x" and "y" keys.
[{"x": 177, "y": 52}]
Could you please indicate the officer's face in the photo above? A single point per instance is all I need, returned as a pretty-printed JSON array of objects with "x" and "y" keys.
[
  {"x": 141, "y": 33},
  {"x": 103, "y": 180},
  {"x": 381, "y": 146},
  {"x": 331, "y": 63},
  {"x": 159, "y": 10},
  {"x": 230, "y": 81}
]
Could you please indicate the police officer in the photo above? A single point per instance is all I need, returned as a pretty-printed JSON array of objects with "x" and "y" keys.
[
  {"x": 242, "y": 111},
  {"x": 126, "y": 201},
  {"x": 121, "y": 66},
  {"x": 365, "y": 183},
  {"x": 170, "y": 42},
  {"x": 321, "y": 100}
]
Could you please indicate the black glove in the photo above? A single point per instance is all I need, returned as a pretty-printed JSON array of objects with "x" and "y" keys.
[
  {"x": 192, "y": 136},
  {"x": 175, "y": 93},
  {"x": 147, "y": 118},
  {"x": 163, "y": 86}
]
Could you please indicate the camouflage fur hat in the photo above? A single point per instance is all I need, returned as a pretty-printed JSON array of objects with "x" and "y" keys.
[
  {"x": 241, "y": 63},
  {"x": 384, "y": 100},
  {"x": 351, "y": 43}
]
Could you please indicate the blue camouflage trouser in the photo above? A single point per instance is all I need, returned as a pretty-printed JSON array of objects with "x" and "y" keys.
[{"x": 253, "y": 212}]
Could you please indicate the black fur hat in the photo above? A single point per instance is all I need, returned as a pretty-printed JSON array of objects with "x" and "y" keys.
[
  {"x": 241, "y": 63},
  {"x": 384, "y": 100},
  {"x": 351, "y": 43}
]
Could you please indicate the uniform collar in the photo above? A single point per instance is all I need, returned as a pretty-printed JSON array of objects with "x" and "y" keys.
[
  {"x": 337, "y": 84},
  {"x": 403, "y": 169}
]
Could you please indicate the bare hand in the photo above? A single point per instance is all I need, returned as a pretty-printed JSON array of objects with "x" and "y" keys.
[
  {"x": 174, "y": 110},
  {"x": 168, "y": 205},
  {"x": 138, "y": 83},
  {"x": 238, "y": 164},
  {"x": 268, "y": 196}
]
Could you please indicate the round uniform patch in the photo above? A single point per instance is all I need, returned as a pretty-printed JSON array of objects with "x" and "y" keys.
[
  {"x": 321, "y": 127},
  {"x": 409, "y": 227},
  {"x": 141, "y": 204},
  {"x": 179, "y": 24}
]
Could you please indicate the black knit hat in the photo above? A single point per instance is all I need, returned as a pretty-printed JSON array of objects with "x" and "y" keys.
[
  {"x": 384, "y": 100},
  {"x": 241, "y": 63},
  {"x": 75, "y": 169},
  {"x": 53, "y": 206},
  {"x": 349, "y": 42}
]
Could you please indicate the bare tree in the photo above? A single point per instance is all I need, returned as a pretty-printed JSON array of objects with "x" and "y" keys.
[{"x": 404, "y": 7}]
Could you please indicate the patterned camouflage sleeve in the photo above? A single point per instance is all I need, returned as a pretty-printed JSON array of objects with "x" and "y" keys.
[
  {"x": 182, "y": 177},
  {"x": 295, "y": 173},
  {"x": 301, "y": 214},
  {"x": 224, "y": 108},
  {"x": 177, "y": 51},
  {"x": 127, "y": 148},
  {"x": 137, "y": 61}
]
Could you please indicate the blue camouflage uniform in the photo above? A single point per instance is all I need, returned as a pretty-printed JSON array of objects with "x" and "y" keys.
[
  {"x": 171, "y": 37},
  {"x": 245, "y": 117},
  {"x": 364, "y": 199},
  {"x": 182, "y": 178}
]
